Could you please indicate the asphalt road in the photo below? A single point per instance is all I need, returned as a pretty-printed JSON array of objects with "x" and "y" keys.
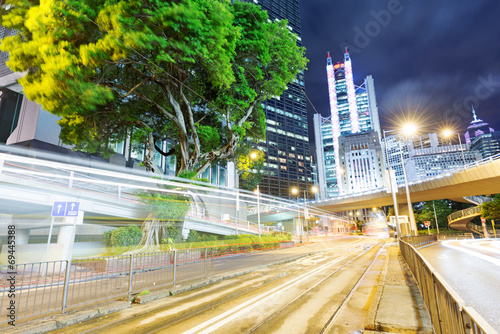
[
  {"x": 295, "y": 297},
  {"x": 472, "y": 269}
]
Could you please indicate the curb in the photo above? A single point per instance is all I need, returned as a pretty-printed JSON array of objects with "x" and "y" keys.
[
  {"x": 59, "y": 321},
  {"x": 372, "y": 312}
]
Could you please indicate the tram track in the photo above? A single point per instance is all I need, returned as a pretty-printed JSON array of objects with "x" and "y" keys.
[{"x": 241, "y": 298}]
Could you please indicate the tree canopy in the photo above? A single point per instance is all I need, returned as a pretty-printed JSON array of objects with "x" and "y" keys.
[
  {"x": 443, "y": 210},
  {"x": 491, "y": 210},
  {"x": 190, "y": 71}
]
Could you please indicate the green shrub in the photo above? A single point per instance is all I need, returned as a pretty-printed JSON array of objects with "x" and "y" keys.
[
  {"x": 106, "y": 238},
  {"x": 124, "y": 236}
]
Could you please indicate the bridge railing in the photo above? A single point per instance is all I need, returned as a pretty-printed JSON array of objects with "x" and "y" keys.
[
  {"x": 464, "y": 213},
  {"x": 478, "y": 200},
  {"x": 424, "y": 179},
  {"x": 420, "y": 240},
  {"x": 448, "y": 311}
]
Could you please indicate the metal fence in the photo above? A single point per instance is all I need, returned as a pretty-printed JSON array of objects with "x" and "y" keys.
[
  {"x": 464, "y": 213},
  {"x": 448, "y": 311},
  {"x": 420, "y": 239},
  {"x": 38, "y": 288}
]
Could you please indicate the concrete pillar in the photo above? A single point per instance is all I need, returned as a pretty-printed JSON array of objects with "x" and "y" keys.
[
  {"x": 404, "y": 211},
  {"x": 404, "y": 222},
  {"x": 5, "y": 221},
  {"x": 22, "y": 235}
]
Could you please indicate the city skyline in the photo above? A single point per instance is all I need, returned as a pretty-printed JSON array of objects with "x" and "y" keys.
[{"x": 432, "y": 60}]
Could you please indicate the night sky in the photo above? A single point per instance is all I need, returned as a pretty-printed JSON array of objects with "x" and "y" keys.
[{"x": 430, "y": 59}]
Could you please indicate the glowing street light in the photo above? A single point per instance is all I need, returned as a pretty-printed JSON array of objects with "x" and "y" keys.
[{"x": 407, "y": 130}]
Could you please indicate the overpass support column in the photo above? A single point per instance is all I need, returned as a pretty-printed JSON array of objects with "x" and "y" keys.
[
  {"x": 22, "y": 235},
  {"x": 405, "y": 225}
]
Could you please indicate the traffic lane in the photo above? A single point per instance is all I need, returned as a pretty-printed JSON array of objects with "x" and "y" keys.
[
  {"x": 228, "y": 264},
  {"x": 474, "y": 279}
]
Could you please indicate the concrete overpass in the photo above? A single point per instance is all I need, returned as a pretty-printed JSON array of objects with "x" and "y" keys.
[
  {"x": 29, "y": 188},
  {"x": 481, "y": 178}
]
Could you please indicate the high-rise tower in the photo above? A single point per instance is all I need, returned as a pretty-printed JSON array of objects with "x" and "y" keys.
[
  {"x": 288, "y": 161},
  {"x": 353, "y": 110}
]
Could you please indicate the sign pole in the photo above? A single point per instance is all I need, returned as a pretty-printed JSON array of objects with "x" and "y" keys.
[
  {"x": 485, "y": 229},
  {"x": 493, "y": 224},
  {"x": 48, "y": 245}
]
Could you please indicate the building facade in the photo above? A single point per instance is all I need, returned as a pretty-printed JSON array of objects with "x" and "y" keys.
[
  {"x": 427, "y": 155},
  {"x": 353, "y": 111},
  {"x": 361, "y": 162},
  {"x": 428, "y": 162},
  {"x": 288, "y": 160},
  {"x": 482, "y": 138}
]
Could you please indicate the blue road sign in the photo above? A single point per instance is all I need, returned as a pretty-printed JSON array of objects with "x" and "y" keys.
[
  {"x": 65, "y": 209},
  {"x": 72, "y": 209},
  {"x": 58, "y": 209}
]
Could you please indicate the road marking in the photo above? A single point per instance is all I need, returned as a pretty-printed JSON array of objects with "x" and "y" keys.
[
  {"x": 473, "y": 253},
  {"x": 240, "y": 310}
]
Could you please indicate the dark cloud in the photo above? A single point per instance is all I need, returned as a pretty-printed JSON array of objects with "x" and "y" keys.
[{"x": 427, "y": 57}]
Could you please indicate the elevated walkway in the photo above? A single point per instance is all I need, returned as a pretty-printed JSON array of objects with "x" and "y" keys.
[
  {"x": 479, "y": 178},
  {"x": 461, "y": 220}
]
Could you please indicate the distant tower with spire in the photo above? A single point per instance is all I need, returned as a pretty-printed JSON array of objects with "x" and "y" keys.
[
  {"x": 476, "y": 128},
  {"x": 481, "y": 137}
]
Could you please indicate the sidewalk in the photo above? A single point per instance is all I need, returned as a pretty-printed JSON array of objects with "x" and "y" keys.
[{"x": 398, "y": 306}]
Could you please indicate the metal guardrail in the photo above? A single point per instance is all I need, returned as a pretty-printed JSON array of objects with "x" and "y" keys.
[
  {"x": 479, "y": 229},
  {"x": 464, "y": 213},
  {"x": 425, "y": 179},
  {"x": 39, "y": 288},
  {"x": 448, "y": 311},
  {"x": 420, "y": 239},
  {"x": 455, "y": 236},
  {"x": 478, "y": 200}
]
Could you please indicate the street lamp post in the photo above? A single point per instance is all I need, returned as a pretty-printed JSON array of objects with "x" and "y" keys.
[
  {"x": 447, "y": 134},
  {"x": 408, "y": 129},
  {"x": 393, "y": 192},
  {"x": 410, "y": 206},
  {"x": 314, "y": 190},
  {"x": 295, "y": 192},
  {"x": 253, "y": 156},
  {"x": 258, "y": 208},
  {"x": 435, "y": 217}
]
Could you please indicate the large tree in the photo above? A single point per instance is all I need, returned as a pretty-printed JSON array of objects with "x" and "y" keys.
[
  {"x": 192, "y": 71},
  {"x": 491, "y": 210}
]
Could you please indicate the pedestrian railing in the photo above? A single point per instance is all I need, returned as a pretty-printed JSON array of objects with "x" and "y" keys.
[
  {"x": 475, "y": 211},
  {"x": 37, "y": 288},
  {"x": 420, "y": 239},
  {"x": 448, "y": 311},
  {"x": 480, "y": 230},
  {"x": 455, "y": 236}
]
